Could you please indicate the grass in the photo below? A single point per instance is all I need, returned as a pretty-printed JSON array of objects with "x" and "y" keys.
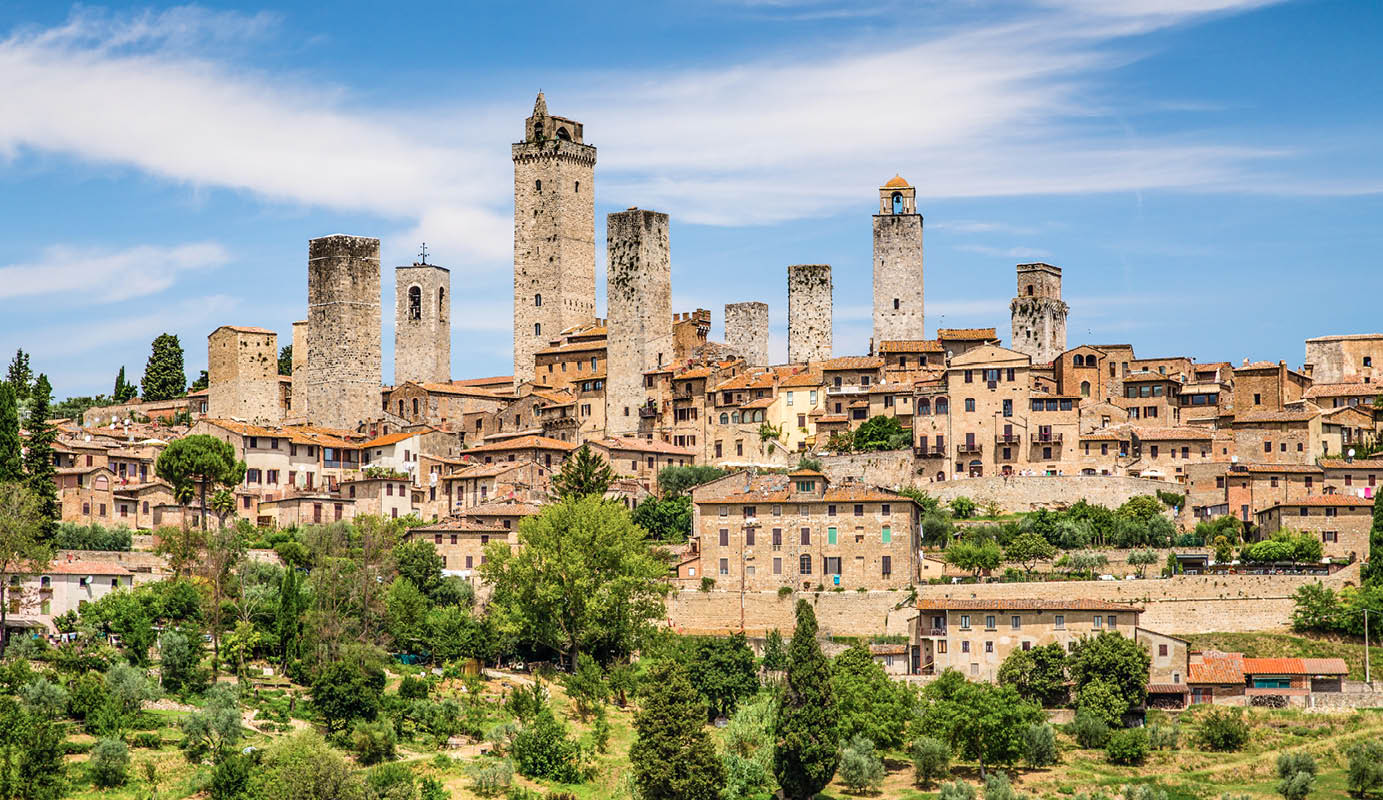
[{"x": 1291, "y": 645}]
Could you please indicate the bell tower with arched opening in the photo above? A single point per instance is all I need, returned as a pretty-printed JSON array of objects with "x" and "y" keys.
[
  {"x": 898, "y": 313},
  {"x": 554, "y": 234},
  {"x": 422, "y": 323}
]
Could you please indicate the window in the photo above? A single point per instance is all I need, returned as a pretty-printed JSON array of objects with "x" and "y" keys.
[
  {"x": 859, "y": 509},
  {"x": 965, "y": 620},
  {"x": 1162, "y": 650},
  {"x": 1112, "y": 621},
  {"x": 804, "y": 565},
  {"x": 537, "y": 300},
  {"x": 777, "y": 566},
  {"x": 990, "y": 621},
  {"x": 806, "y": 536},
  {"x": 965, "y": 647},
  {"x": 1008, "y": 408},
  {"x": 989, "y": 647},
  {"x": 830, "y": 536},
  {"x": 415, "y": 303},
  {"x": 1015, "y": 622},
  {"x": 725, "y": 566},
  {"x": 1098, "y": 619},
  {"x": 724, "y": 537},
  {"x": 886, "y": 566},
  {"x": 830, "y": 565},
  {"x": 748, "y": 537},
  {"x": 969, "y": 404},
  {"x": 886, "y": 535},
  {"x": 1059, "y": 622},
  {"x": 777, "y": 538}
]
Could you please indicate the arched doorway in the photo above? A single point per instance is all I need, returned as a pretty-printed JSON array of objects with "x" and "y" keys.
[{"x": 976, "y": 469}]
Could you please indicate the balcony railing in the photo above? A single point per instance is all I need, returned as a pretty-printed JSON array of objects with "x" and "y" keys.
[
  {"x": 851, "y": 389},
  {"x": 922, "y": 452},
  {"x": 934, "y": 632},
  {"x": 966, "y": 448},
  {"x": 1007, "y": 438},
  {"x": 1046, "y": 438}
]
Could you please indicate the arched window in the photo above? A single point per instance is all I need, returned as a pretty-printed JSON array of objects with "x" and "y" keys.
[
  {"x": 1085, "y": 388},
  {"x": 897, "y": 202},
  {"x": 1030, "y": 290},
  {"x": 400, "y": 408},
  {"x": 724, "y": 418},
  {"x": 538, "y": 300},
  {"x": 735, "y": 417},
  {"x": 415, "y": 406},
  {"x": 537, "y": 329},
  {"x": 896, "y": 304},
  {"x": 415, "y": 303},
  {"x": 942, "y": 406},
  {"x": 1078, "y": 360},
  {"x": 441, "y": 302},
  {"x": 924, "y": 406},
  {"x": 940, "y": 476},
  {"x": 804, "y": 564},
  {"x": 563, "y": 135}
]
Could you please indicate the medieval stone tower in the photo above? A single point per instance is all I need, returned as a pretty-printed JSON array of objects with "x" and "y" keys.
[
  {"x": 554, "y": 234},
  {"x": 639, "y": 311},
  {"x": 297, "y": 395},
  {"x": 897, "y": 264},
  {"x": 809, "y": 312},
  {"x": 343, "y": 365},
  {"x": 746, "y": 332},
  {"x": 422, "y": 324},
  {"x": 243, "y": 375},
  {"x": 1039, "y": 314}
]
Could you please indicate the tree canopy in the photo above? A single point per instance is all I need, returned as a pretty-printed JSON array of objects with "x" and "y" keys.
[
  {"x": 882, "y": 433},
  {"x": 39, "y": 471},
  {"x": 584, "y": 473},
  {"x": 806, "y": 739},
  {"x": 982, "y": 722},
  {"x": 202, "y": 463},
  {"x": 164, "y": 374},
  {"x": 673, "y": 757}
]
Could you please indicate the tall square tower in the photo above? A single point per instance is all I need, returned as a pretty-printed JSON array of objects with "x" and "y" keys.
[
  {"x": 422, "y": 323},
  {"x": 343, "y": 365},
  {"x": 243, "y": 375},
  {"x": 1039, "y": 313},
  {"x": 638, "y": 322},
  {"x": 897, "y": 265},
  {"x": 554, "y": 234},
  {"x": 809, "y": 312}
]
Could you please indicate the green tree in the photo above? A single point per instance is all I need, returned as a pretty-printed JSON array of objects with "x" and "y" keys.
[
  {"x": 109, "y": 763},
  {"x": 806, "y": 740},
  {"x": 200, "y": 463},
  {"x": 982, "y": 722},
  {"x": 11, "y": 446},
  {"x": 974, "y": 556},
  {"x": 672, "y": 757},
  {"x": 288, "y": 617},
  {"x": 1142, "y": 559},
  {"x": 1028, "y": 549},
  {"x": 418, "y": 561},
  {"x": 122, "y": 614},
  {"x": 164, "y": 375},
  {"x": 721, "y": 669},
  {"x": 667, "y": 520},
  {"x": 22, "y": 548},
  {"x": 1038, "y": 675},
  {"x": 1113, "y": 659},
  {"x": 1224, "y": 730},
  {"x": 39, "y": 470},
  {"x": 1128, "y": 747},
  {"x": 882, "y": 433},
  {"x": 302, "y": 766},
  {"x": 226, "y": 548},
  {"x": 286, "y": 360},
  {"x": 203, "y": 380},
  {"x": 931, "y": 760},
  {"x": 860, "y": 769},
  {"x": 1364, "y": 769},
  {"x": 775, "y": 654},
  {"x": 1224, "y": 550},
  {"x": 406, "y": 614},
  {"x": 345, "y": 692},
  {"x": 124, "y": 390},
  {"x": 1142, "y": 507},
  {"x": 1296, "y": 773},
  {"x": 582, "y": 580},
  {"x": 180, "y": 656},
  {"x": 586, "y": 687},
  {"x": 584, "y": 474},
  {"x": 544, "y": 750},
  {"x": 677, "y": 481},
  {"x": 868, "y": 702},
  {"x": 1040, "y": 748},
  {"x": 214, "y": 730},
  {"x": 962, "y": 507},
  {"x": 222, "y": 504},
  {"x": 1372, "y": 570},
  {"x": 20, "y": 376}
]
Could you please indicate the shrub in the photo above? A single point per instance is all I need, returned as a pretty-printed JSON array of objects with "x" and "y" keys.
[
  {"x": 1090, "y": 732},
  {"x": 1128, "y": 747},
  {"x": 146, "y": 740},
  {"x": 490, "y": 777},
  {"x": 374, "y": 742},
  {"x": 997, "y": 787},
  {"x": 957, "y": 790},
  {"x": 1297, "y": 775},
  {"x": 432, "y": 789},
  {"x": 390, "y": 780},
  {"x": 230, "y": 778},
  {"x": 784, "y": 591},
  {"x": 411, "y": 688},
  {"x": 542, "y": 749},
  {"x": 109, "y": 763},
  {"x": 1039, "y": 745},
  {"x": 962, "y": 507},
  {"x": 860, "y": 768},
  {"x": 1163, "y": 737},
  {"x": 707, "y": 583},
  {"x": 1365, "y": 771},
  {"x": 1142, "y": 791},
  {"x": 1224, "y": 730},
  {"x": 931, "y": 760}
]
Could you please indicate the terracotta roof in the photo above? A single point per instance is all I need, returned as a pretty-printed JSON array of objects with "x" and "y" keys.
[
  {"x": 694, "y": 372},
  {"x": 748, "y": 380},
  {"x": 486, "y": 470},
  {"x": 83, "y": 568},
  {"x": 642, "y": 445},
  {"x": 1275, "y": 416},
  {"x": 897, "y": 182},
  {"x": 807, "y": 377},
  {"x": 244, "y": 329},
  {"x": 1358, "y": 463},
  {"x": 460, "y": 525},
  {"x": 1165, "y": 434},
  {"x": 1168, "y": 688},
  {"x": 572, "y": 347},
  {"x": 831, "y": 419},
  {"x": 502, "y": 510},
  {"x": 523, "y": 443},
  {"x": 1283, "y": 468},
  {"x": 461, "y": 391},
  {"x": 1328, "y": 500},
  {"x": 806, "y": 473},
  {"x": 1356, "y": 389},
  {"x": 911, "y": 346},
  {"x": 852, "y": 362},
  {"x": 1139, "y": 377},
  {"x": 762, "y": 402},
  {"x": 1258, "y": 365},
  {"x": 887, "y": 649},
  {"x": 497, "y": 379},
  {"x": 966, "y": 334},
  {"x": 1018, "y": 604},
  {"x": 1217, "y": 668},
  {"x": 1276, "y": 666},
  {"x": 1325, "y": 666},
  {"x": 777, "y": 488},
  {"x": 391, "y": 438}
]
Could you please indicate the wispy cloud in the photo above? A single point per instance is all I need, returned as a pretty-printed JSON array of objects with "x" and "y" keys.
[
  {"x": 187, "y": 317},
  {"x": 982, "y": 226},
  {"x": 83, "y": 275},
  {"x": 1004, "y": 252}
]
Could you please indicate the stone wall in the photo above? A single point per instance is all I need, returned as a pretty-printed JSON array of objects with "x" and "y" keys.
[
  {"x": 1038, "y": 313},
  {"x": 638, "y": 298},
  {"x": 344, "y": 362},
  {"x": 422, "y": 330},
  {"x": 746, "y": 332},
  {"x": 1340, "y": 359},
  {"x": 809, "y": 312},
  {"x": 892, "y": 469},
  {"x": 242, "y": 375},
  {"x": 1029, "y": 492},
  {"x": 898, "y": 298},
  {"x": 297, "y": 407}
]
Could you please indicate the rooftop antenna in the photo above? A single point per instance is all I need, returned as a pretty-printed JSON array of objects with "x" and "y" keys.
[{"x": 422, "y": 254}]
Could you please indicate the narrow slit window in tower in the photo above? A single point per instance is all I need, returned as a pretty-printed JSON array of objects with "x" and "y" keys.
[
  {"x": 415, "y": 303},
  {"x": 896, "y": 304},
  {"x": 441, "y": 301}
]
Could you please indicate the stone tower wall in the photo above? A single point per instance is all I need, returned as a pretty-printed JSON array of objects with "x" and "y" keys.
[
  {"x": 554, "y": 235},
  {"x": 746, "y": 332},
  {"x": 898, "y": 278},
  {"x": 343, "y": 368},
  {"x": 809, "y": 312},
  {"x": 422, "y": 341},
  {"x": 242, "y": 375},
  {"x": 1039, "y": 313},
  {"x": 297, "y": 409},
  {"x": 639, "y": 311}
]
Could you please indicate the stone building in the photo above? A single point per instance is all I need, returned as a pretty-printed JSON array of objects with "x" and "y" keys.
[
  {"x": 1038, "y": 313},
  {"x": 554, "y": 234},
  {"x": 1340, "y": 521},
  {"x": 746, "y": 332},
  {"x": 897, "y": 265},
  {"x": 639, "y": 302},
  {"x": 809, "y": 312},
  {"x": 243, "y": 375},
  {"x": 1344, "y": 359},
  {"x": 422, "y": 324},
  {"x": 343, "y": 363},
  {"x": 297, "y": 405}
]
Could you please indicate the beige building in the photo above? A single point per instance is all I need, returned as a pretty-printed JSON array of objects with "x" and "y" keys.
[
  {"x": 242, "y": 375},
  {"x": 1340, "y": 521},
  {"x": 34, "y": 600}
]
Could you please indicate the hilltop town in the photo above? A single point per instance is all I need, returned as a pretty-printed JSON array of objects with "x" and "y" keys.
[{"x": 950, "y": 502}]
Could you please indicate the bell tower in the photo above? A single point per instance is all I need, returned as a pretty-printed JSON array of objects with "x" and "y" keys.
[
  {"x": 897, "y": 265},
  {"x": 554, "y": 234}
]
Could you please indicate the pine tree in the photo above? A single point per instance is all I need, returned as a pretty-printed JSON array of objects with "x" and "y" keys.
[
  {"x": 584, "y": 473},
  {"x": 673, "y": 757},
  {"x": 38, "y": 462},
  {"x": 11, "y": 448},
  {"x": 164, "y": 375},
  {"x": 124, "y": 390},
  {"x": 806, "y": 743},
  {"x": 200, "y": 383},
  {"x": 20, "y": 376},
  {"x": 775, "y": 655}
]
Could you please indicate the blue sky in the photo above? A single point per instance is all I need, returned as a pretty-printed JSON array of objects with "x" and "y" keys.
[{"x": 1206, "y": 172}]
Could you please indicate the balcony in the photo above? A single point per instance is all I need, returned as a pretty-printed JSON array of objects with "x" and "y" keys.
[
  {"x": 969, "y": 448},
  {"x": 934, "y": 631},
  {"x": 851, "y": 389},
  {"x": 648, "y": 411},
  {"x": 1046, "y": 438},
  {"x": 922, "y": 452},
  {"x": 1007, "y": 438}
]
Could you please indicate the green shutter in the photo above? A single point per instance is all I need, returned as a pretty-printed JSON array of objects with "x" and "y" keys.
[
  {"x": 887, "y": 534},
  {"x": 830, "y": 536}
]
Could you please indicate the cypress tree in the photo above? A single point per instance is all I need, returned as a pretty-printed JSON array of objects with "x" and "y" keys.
[
  {"x": 286, "y": 621},
  {"x": 38, "y": 462},
  {"x": 673, "y": 757},
  {"x": 164, "y": 375},
  {"x": 806, "y": 742},
  {"x": 11, "y": 449},
  {"x": 20, "y": 376},
  {"x": 584, "y": 473},
  {"x": 286, "y": 360},
  {"x": 124, "y": 390}
]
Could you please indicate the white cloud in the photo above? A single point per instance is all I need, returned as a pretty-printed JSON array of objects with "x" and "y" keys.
[
  {"x": 186, "y": 318},
  {"x": 99, "y": 276},
  {"x": 1004, "y": 252}
]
